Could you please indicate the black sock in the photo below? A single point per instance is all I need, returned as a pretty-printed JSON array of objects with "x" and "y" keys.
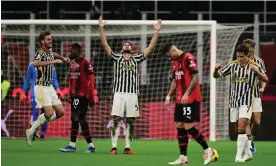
[
  {"x": 182, "y": 137},
  {"x": 254, "y": 129},
  {"x": 198, "y": 137},
  {"x": 86, "y": 132},
  {"x": 74, "y": 131}
]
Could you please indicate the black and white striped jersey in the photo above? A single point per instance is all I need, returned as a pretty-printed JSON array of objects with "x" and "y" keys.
[
  {"x": 126, "y": 73},
  {"x": 44, "y": 73},
  {"x": 243, "y": 82},
  {"x": 260, "y": 62}
]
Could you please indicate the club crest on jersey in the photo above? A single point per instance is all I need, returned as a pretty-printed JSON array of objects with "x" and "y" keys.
[{"x": 74, "y": 70}]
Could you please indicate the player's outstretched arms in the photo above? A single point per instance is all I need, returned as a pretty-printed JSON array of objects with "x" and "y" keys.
[
  {"x": 263, "y": 77},
  {"x": 153, "y": 41},
  {"x": 171, "y": 92},
  {"x": 216, "y": 73},
  {"x": 38, "y": 63},
  {"x": 106, "y": 47}
]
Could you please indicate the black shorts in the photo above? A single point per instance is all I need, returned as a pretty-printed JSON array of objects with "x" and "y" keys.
[
  {"x": 187, "y": 112},
  {"x": 79, "y": 104}
]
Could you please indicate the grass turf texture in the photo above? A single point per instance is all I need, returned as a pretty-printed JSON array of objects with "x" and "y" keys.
[{"x": 148, "y": 153}]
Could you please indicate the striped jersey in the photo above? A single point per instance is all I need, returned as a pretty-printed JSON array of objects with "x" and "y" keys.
[
  {"x": 126, "y": 76},
  {"x": 243, "y": 81},
  {"x": 44, "y": 73},
  {"x": 260, "y": 62}
]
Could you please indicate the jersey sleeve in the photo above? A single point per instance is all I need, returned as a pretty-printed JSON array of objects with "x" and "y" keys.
[
  {"x": 191, "y": 63},
  {"x": 28, "y": 77},
  {"x": 262, "y": 65},
  {"x": 114, "y": 56},
  {"x": 139, "y": 57},
  {"x": 55, "y": 84},
  {"x": 39, "y": 56},
  {"x": 88, "y": 68},
  {"x": 226, "y": 70}
]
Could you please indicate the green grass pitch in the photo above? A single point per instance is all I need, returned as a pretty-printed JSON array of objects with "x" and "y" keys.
[{"x": 148, "y": 153}]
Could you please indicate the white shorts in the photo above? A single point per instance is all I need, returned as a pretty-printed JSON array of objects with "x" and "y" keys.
[
  {"x": 243, "y": 111},
  {"x": 45, "y": 96},
  {"x": 125, "y": 105},
  {"x": 257, "y": 105}
]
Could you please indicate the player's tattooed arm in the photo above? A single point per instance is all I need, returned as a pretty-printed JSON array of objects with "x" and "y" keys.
[
  {"x": 105, "y": 46},
  {"x": 193, "y": 83},
  {"x": 64, "y": 59},
  {"x": 153, "y": 41}
]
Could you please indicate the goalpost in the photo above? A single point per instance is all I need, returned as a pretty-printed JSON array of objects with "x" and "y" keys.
[{"x": 208, "y": 41}]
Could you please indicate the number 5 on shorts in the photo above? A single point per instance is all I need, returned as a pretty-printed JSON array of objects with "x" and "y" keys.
[{"x": 187, "y": 111}]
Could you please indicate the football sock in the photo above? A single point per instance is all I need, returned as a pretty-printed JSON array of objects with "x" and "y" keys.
[
  {"x": 182, "y": 140},
  {"x": 74, "y": 130},
  {"x": 241, "y": 141},
  {"x": 129, "y": 133},
  {"x": 198, "y": 137},
  {"x": 247, "y": 145},
  {"x": 254, "y": 130},
  {"x": 115, "y": 131},
  {"x": 40, "y": 120},
  {"x": 86, "y": 132}
]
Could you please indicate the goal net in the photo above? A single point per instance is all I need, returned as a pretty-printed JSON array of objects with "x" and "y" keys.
[{"x": 19, "y": 45}]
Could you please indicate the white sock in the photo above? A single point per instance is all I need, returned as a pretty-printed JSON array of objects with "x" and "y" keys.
[
  {"x": 249, "y": 143},
  {"x": 91, "y": 145},
  {"x": 128, "y": 141},
  {"x": 40, "y": 120},
  {"x": 207, "y": 150},
  {"x": 241, "y": 141},
  {"x": 114, "y": 139},
  {"x": 53, "y": 117},
  {"x": 247, "y": 146},
  {"x": 73, "y": 144}
]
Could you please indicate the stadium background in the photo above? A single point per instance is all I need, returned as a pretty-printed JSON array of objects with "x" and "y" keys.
[{"x": 223, "y": 12}]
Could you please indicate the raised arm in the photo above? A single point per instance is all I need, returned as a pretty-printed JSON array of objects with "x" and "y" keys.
[
  {"x": 105, "y": 46},
  {"x": 153, "y": 41}
]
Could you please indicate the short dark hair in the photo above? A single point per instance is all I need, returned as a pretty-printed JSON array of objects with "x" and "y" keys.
[
  {"x": 242, "y": 48},
  {"x": 251, "y": 42},
  {"x": 76, "y": 46},
  {"x": 128, "y": 42},
  {"x": 166, "y": 48},
  {"x": 42, "y": 36}
]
